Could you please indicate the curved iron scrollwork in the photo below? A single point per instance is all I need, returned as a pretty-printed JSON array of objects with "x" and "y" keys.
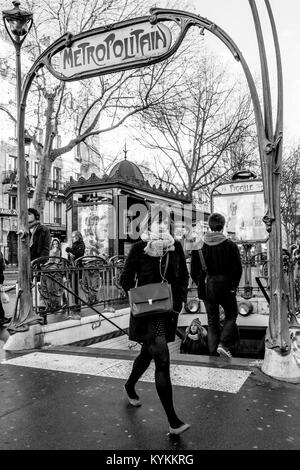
[
  {"x": 118, "y": 263},
  {"x": 92, "y": 279},
  {"x": 50, "y": 291},
  {"x": 46, "y": 271}
]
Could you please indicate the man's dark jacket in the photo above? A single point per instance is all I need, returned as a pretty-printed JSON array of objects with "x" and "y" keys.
[
  {"x": 40, "y": 244},
  {"x": 221, "y": 259},
  {"x": 147, "y": 270}
]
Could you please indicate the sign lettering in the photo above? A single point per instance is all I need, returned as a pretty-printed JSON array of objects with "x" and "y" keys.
[
  {"x": 114, "y": 48},
  {"x": 240, "y": 187}
]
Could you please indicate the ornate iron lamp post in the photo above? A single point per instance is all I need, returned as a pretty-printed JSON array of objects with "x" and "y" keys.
[{"x": 17, "y": 23}]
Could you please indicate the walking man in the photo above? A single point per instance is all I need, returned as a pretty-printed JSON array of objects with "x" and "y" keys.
[{"x": 221, "y": 265}]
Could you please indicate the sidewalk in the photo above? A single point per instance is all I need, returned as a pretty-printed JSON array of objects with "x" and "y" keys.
[{"x": 72, "y": 398}]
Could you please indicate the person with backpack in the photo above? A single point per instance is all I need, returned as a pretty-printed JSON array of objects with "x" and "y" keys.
[{"x": 217, "y": 269}]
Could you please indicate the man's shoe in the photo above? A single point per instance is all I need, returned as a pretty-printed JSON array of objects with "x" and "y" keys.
[
  {"x": 181, "y": 429},
  {"x": 224, "y": 352}
]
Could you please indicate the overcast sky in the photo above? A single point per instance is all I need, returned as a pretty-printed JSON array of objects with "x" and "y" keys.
[{"x": 235, "y": 17}]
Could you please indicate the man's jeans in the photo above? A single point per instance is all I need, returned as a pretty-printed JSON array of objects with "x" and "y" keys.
[{"x": 227, "y": 334}]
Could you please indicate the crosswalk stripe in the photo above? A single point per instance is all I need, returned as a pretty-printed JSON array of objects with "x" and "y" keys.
[{"x": 225, "y": 380}]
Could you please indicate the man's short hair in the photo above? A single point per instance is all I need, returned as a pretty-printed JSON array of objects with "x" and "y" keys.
[
  {"x": 33, "y": 211},
  {"x": 216, "y": 222}
]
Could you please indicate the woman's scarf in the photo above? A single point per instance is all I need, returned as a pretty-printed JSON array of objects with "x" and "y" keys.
[
  {"x": 158, "y": 243},
  {"x": 194, "y": 337}
]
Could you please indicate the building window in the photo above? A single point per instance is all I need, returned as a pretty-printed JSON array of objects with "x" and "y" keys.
[
  {"x": 57, "y": 212},
  {"x": 12, "y": 163},
  {"x": 12, "y": 202},
  {"x": 35, "y": 172},
  {"x": 56, "y": 177},
  {"x": 40, "y": 135}
]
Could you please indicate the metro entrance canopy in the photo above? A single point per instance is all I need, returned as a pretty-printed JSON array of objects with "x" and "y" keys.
[{"x": 110, "y": 40}]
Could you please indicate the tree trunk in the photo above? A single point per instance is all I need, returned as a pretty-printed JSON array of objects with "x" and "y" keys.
[{"x": 39, "y": 197}]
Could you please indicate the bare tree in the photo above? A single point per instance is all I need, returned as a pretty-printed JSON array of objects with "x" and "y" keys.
[
  {"x": 89, "y": 109},
  {"x": 197, "y": 133},
  {"x": 290, "y": 193}
]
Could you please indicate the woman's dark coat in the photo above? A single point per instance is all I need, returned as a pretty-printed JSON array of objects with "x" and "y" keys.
[
  {"x": 147, "y": 270},
  {"x": 77, "y": 249}
]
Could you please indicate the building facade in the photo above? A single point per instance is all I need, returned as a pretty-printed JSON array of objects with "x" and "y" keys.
[{"x": 54, "y": 211}]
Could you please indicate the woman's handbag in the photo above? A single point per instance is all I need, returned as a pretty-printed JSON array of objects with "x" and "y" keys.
[{"x": 152, "y": 298}]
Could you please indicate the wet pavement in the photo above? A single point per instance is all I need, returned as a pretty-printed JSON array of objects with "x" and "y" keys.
[{"x": 71, "y": 398}]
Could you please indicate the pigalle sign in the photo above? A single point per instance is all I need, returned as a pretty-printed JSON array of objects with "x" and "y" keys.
[{"x": 117, "y": 47}]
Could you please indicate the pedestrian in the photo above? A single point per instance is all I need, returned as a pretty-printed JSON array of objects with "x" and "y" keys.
[
  {"x": 39, "y": 248},
  {"x": 39, "y": 237},
  {"x": 195, "y": 339},
  {"x": 154, "y": 332},
  {"x": 55, "y": 250},
  {"x": 77, "y": 249},
  {"x": 222, "y": 267},
  {"x": 75, "y": 252},
  {"x": 3, "y": 319}
]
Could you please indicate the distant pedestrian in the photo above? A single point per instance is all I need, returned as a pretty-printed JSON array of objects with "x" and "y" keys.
[
  {"x": 39, "y": 237},
  {"x": 3, "y": 319},
  {"x": 76, "y": 251},
  {"x": 145, "y": 262},
  {"x": 224, "y": 270},
  {"x": 55, "y": 249},
  {"x": 195, "y": 339}
]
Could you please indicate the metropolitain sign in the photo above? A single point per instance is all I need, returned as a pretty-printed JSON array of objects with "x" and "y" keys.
[{"x": 120, "y": 46}]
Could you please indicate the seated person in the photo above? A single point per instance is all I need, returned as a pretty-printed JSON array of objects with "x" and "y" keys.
[{"x": 195, "y": 339}]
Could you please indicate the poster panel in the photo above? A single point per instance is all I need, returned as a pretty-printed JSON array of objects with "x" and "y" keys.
[
  {"x": 93, "y": 223},
  {"x": 243, "y": 208}
]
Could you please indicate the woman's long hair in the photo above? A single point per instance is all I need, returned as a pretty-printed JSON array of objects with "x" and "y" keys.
[
  {"x": 78, "y": 235},
  {"x": 55, "y": 240}
]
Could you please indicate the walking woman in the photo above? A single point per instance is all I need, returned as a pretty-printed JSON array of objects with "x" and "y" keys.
[{"x": 154, "y": 332}]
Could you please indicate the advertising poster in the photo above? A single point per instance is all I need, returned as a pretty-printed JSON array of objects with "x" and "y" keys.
[
  {"x": 93, "y": 223},
  {"x": 242, "y": 205}
]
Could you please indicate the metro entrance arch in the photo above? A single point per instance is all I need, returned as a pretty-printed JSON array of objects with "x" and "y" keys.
[{"x": 144, "y": 41}]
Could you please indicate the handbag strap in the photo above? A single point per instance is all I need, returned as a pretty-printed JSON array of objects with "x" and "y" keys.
[
  {"x": 202, "y": 261},
  {"x": 163, "y": 279},
  {"x": 166, "y": 267}
]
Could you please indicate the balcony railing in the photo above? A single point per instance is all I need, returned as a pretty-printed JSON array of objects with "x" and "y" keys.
[
  {"x": 9, "y": 177},
  {"x": 54, "y": 186}
]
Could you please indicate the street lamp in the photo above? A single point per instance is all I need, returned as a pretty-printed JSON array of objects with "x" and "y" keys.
[{"x": 17, "y": 23}]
